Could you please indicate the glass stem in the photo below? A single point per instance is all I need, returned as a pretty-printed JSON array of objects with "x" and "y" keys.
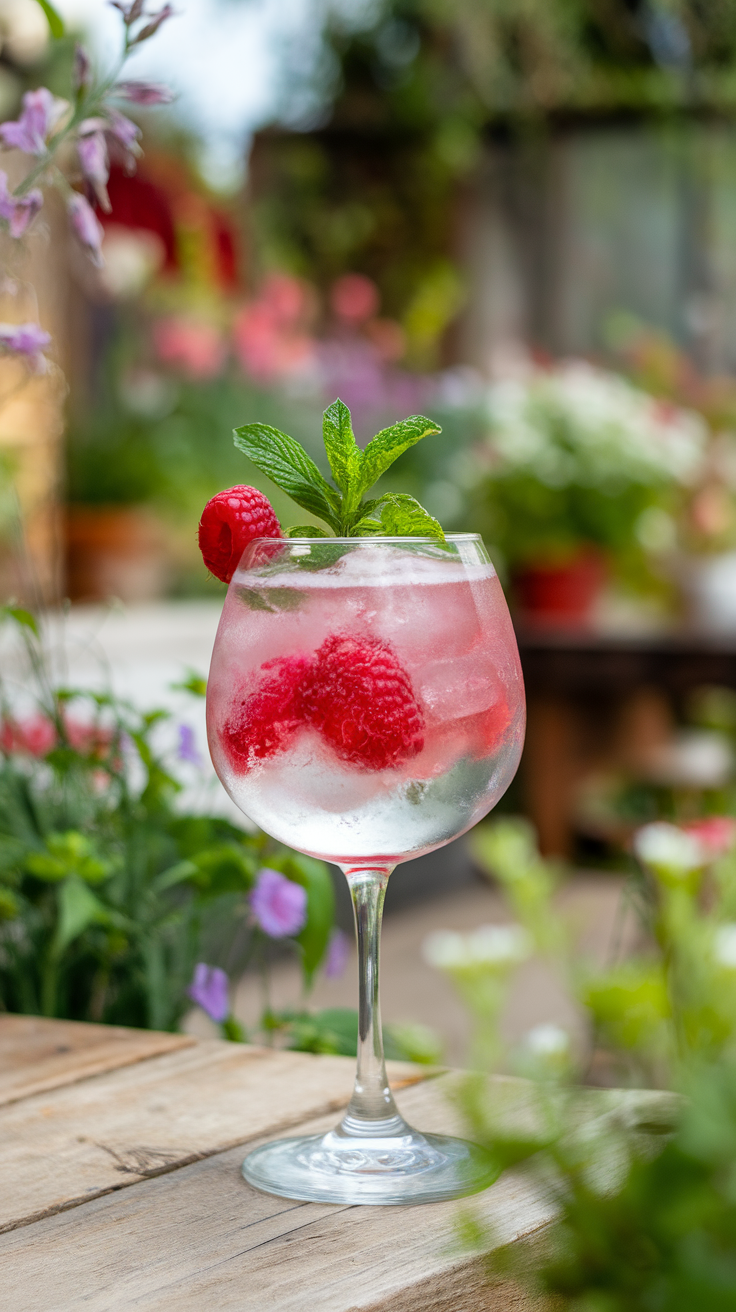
[{"x": 372, "y": 1110}]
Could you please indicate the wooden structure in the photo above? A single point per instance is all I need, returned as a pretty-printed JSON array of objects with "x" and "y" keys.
[
  {"x": 120, "y": 1184},
  {"x": 591, "y": 697}
]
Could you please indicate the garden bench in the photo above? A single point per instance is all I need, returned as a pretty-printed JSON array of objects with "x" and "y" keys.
[{"x": 120, "y": 1184}]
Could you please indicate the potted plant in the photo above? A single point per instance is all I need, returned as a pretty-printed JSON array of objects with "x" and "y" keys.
[{"x": 574, "y": 462}]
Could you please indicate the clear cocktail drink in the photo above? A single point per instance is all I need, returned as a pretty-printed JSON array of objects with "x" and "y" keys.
[{"x": 437, "y": 619}]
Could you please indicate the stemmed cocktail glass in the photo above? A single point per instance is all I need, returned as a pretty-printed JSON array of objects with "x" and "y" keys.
[{"x": 365, "y": 705}]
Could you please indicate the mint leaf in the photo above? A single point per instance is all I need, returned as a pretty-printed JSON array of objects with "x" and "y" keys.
[
  {"x": 305, "y": 531},
  {"x": 288, "y": 465},
  {"x": 271, "y": 599},
  {"x": 387, "y": 445},
  {"x": 344, "y": 456},
  {"x": 400, "y": 516}
]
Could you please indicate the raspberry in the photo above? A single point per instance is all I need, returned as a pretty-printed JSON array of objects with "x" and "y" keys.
[
  {"x": 261, "y": 723},
  {"x": 229, "y": 522},
  {"x": 361, "y": 700}
]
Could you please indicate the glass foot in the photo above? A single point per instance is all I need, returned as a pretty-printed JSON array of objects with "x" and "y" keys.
[{"x": 341, "y": 1168}]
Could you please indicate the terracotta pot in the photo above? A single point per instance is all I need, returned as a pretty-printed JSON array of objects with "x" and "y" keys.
[
  {"x": 561, "y": 593},
  {"x": 115, "y": 551}
]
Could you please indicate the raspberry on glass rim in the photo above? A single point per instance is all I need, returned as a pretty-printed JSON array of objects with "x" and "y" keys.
[{"x": 230, "y": 522}]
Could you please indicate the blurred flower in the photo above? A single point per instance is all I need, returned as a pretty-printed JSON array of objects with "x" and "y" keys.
[
  {"x": 130, "y": 12},
  {"x": 338, "y": 952},
  {"x": 669, "y": 851},
  {"x": 716, "y": 835},
  {"x": 94, "y": 159},
  {"x": 87, "y": 227},
  {"x": 152, "y": 27},
  {"x": 33, "y": 736},
  {"x": 187, "y": 750},
  {"x": 126, "y": 133},
  {"x": 194, "y": 345},
  {"x": 547, "y": 1040},
  {"x": 494, "y": 946},
  {"x": 354, "y": 298},
  {"x": 724, "y": 945},
  {"x": 144, "y": 93},
  {"x": 209, "y": 989},
  {"x": 28, "y": 340},
  {"x": 269, "y": 334},
  {"x": 41, "y": 112},
  {"x": 278, "y": 904},
  {"x": 18, "y": 210}
]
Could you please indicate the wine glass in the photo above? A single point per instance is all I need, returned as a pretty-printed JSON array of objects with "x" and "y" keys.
[{"x": 365, "y": 705}]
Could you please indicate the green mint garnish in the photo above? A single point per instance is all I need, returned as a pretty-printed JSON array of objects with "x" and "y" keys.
[{"x": 344, "y": 507}]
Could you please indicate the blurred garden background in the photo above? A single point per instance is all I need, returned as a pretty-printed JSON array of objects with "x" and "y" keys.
[{"x": 518, "y": 219}]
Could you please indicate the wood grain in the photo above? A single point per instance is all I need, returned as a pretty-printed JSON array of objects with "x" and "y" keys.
[
  {"x": 60, "y": 1149},
  {"x": 37, "y": 1054},
  {"x": 201, "y": 1237}
]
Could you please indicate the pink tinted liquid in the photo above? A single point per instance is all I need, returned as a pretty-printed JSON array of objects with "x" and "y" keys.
[{"x": 448, "y": 626}]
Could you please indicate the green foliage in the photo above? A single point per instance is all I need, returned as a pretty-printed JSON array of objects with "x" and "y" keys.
[
  {"x": 642, "y": 1183},
  {"x": 109, "y": 893},
  {"x": 286, "y": 462}
]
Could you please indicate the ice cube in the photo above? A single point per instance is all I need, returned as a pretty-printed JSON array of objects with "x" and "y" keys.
[{"x": 461, "y": 686}]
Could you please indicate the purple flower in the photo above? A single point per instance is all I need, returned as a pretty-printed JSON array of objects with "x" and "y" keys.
[
  {"x": 144, "y": 93},
  {"x": 18, "y": 210},
  {"x": 188, "y": 745},
  {"x": 87, "y": 227},
  {"x": 154, "y": 25},
  {"x": 28, "y": 133},
  {"x": 278, "y": 904},
  {"x": 26, "y": 339},
  {"x": 209, "y": 990},
  {"x": 130, "y": 12},
  {"x": 123, "y": 129},
  {"x": 338, "y": 951},
  {"x": 93, "y": 157}
]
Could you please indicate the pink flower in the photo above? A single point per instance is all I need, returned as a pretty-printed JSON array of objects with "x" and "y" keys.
[
  {"x": 18, "y": 210},
  {"x": 144, "y": 93},
  {"x": 123, "y": 129},
  {"x": 191, "y": 344},
  {"x": 41, "y": 111},
  {"x": 26, "y": 339},
  {"x": 716, "y": 835},
  {"x": 93, "y": 157},
  {"x": 209, "y": 990},
  {"x": 34, "y": 736},
  {"x": 338, "y": 952},
  {"x": 278, "y": 904},
  {"x": 354, "y": 298},
  {"x": 87, "y": 227}
]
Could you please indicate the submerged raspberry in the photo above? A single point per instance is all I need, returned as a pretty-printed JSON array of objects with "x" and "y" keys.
[
  {"x": 361, "y": 700},
  {"x": 262, "y": 722},
  {"x": 229, "y": 522}
]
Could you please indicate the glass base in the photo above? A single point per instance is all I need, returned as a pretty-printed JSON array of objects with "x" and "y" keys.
[{"x": 343, "y": 1168}]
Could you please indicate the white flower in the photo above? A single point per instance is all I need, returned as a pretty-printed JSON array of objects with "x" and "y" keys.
[
  {"x": 498, "y": 946},
  {"x": 724, "y": 945},
  {"x": 665, "y": 847},
  {"x": 547, "y": 1040}
]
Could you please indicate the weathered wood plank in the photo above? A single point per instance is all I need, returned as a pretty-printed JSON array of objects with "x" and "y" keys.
[
  {"x": 201, "y": 1237},
  {"x": 37, "y": 1054},
  {"x": 60, "y": 1149}
]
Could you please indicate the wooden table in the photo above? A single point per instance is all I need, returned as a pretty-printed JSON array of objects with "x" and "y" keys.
[{"x": 120, "y": 1184}]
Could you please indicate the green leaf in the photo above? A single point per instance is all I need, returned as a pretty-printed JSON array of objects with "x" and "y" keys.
[
  {"x": 400, "y": 516},
  {"x": 270, "y": 599},
  {"x": 194, "y": 683},
  {"x": 78, "y": 908},
  {"x": 314, "y": 876},
  {"x": 54, "y": 20},
  {"x": 305, "y": 531},
  {"x": 68, "y": 854},
  {"x": 387, "y": 445},
  {"x": 290, "y": 468},
  {"x": 344, "y": 456},
  {"x": 22, "y": 617}
]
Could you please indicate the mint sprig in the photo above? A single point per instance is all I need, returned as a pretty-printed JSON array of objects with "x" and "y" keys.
[{"x": 344, "y": 506}]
